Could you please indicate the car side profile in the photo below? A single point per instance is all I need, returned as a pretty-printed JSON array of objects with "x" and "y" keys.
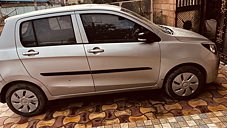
[{"x": 95, "y": 49}]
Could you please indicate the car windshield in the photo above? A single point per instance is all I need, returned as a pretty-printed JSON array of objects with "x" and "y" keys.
[{"x": 162, "y": 28}]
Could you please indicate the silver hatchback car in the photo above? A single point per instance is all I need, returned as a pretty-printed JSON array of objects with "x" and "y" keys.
[{"x": 93, "y": 49}]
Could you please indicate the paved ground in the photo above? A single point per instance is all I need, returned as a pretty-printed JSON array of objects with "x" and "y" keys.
[{"x": 151, "y": 108}]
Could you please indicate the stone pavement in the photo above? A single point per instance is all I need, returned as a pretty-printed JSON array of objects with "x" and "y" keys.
[{"x": 149, "y": 108}]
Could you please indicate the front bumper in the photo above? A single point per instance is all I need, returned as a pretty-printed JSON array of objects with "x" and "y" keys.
[
  {"x": 0, "y": 98},
  {"x": 213, "y": 62}
]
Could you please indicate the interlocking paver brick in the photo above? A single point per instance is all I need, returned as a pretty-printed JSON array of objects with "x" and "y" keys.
[
  {"x": 101, "y": 127},
  {"x": 203, "y": 126},
  {"x": 195, "y": 103},
  {"x": 195, "y": 117},
  {"x": 166, "y": 125},
  {"x": 146, "y": 110},
  {"x": 215, "y": 120},
  {"x": 166, "y": 115},
  {"x": 147, "y": 122},
  {"x": 225, "y": 123},
  {"x": 108, "y": 126},
  {"x": 123, "y": 112},
  {"x": 203, "y": 116},
  {"x": 173, "y": 106},
  {"x": 124, "y": 125},
  {"x": 110, "y": 122},
  {"x": 207, "y": 121},
  {"x": 187, "y": 118},
  {"x": 171, "y": 119},
  {"x": 149, "y": 126},
  {"x": 220, "y": 125},
  {"x": 71, "y": 119},
  {"x": 222, "y": 118},
  {"x": 139, "y": 123},
  {"x": 191, "y": 122},
  {"x": 131, "y": 124},
  {"x": 158, "y": 126},
  {"x": 179, "y": 119},
  {"x": 45, "y": 123},
  {"x": 199, "y": 122},
  {"x": 224, "y": 85},
  {"x": 220, "y": 100},
  {"x": 205, "y": 95},
  {"x": 116, "y": 126},
  {"x": 112, "y": 106},
  {"x": 139, "y": 118},
  {"x": 150, "y": 116},
  {"x": 163, "y": 121},
  {"x": 97, "y": 115},
  {"x": 222, "y": 92},
  {"x": 210, "y": 115},
  {"x": 183, "y": 124},
  {"x": 212, "y": 125},
  {"x": 11, "y": 120},
  {"x": 155, "y": 121},
  {"x": 141, "y": 127},
  {"x": 224, "y": 112},
  {"x": 191, "y": 112},
  {"x": 61, "y": 113},
  {"x": 174, "y": 124}
]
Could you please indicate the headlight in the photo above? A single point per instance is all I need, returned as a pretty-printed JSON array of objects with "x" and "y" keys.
[{"x": 211, "y": 47}]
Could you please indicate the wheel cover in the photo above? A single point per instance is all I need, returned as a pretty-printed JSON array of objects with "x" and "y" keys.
[
  {"x": 24, "y": 101},
  {"x": 185, "y": 84}
]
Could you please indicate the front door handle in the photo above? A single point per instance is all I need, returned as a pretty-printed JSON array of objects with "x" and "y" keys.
[
  {"x": 30, "y": 53},
  {"x": 95, "y": 50}
]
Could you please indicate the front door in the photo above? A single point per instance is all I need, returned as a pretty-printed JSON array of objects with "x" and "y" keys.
[
  {"x": 116, "y": 58},
  {"x": 50, "y": 52}
]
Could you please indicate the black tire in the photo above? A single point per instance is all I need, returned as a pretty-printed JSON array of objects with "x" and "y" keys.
[
  {"x": 28, "y": 96},
  {"x": 178, "y": 87}
]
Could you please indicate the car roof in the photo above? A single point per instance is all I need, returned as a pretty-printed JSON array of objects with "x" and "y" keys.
[{"x": 67, "y": 9}]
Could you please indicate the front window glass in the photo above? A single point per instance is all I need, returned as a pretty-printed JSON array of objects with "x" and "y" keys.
[
  {"x": 164, "y": 29},
  {"x": 105, "y": 28}
]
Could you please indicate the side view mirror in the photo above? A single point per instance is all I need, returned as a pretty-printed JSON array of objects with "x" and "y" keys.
[
  {"x": 148, "y": 36},
  {"x": 142, "y": 37}
]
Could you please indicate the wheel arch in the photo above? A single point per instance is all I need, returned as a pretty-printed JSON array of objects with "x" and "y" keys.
[
  {"x": 8, "y": 85},
  {"x": 201, "y": 68}
]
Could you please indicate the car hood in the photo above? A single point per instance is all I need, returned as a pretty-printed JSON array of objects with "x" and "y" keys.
[{"x": 186, "y": 35}]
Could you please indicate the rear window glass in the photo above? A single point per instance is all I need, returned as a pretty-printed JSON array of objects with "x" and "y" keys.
[{"x": 47, "y": 32}]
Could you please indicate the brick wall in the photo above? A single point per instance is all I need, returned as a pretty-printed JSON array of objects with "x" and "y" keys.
[{"x": 164, "y": 12}]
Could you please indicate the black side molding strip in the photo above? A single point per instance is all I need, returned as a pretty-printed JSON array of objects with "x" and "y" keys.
[{"x": 95, "y": 71}]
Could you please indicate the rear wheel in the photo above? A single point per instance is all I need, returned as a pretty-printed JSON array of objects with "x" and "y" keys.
[
  {"x": 184, "y": 82},
  {"x": 25, "y": 99}
]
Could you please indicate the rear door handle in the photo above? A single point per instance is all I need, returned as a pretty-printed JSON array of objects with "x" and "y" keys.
[
  {"x": 30, "y": 53},
  {"x": 95, "y": 50}
]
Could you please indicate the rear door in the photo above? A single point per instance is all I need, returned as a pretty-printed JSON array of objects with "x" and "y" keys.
[
  {"x": 116, "y": 58},
  {"x": 49, "y": 48}
]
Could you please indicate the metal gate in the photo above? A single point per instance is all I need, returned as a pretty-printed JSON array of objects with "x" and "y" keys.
[
  {"x": 188, "y": 13},
  {"x": 221, "y": 36}
]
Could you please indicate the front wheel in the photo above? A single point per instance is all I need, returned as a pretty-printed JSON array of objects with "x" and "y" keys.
[
  {"x": 184, "y": 82},
  {"x": 25, "y": 99}
]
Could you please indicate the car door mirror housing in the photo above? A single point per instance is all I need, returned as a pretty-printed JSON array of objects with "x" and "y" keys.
[
  {"x": 148, "y": 37},
  {"x": 142, "y": 37}
]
